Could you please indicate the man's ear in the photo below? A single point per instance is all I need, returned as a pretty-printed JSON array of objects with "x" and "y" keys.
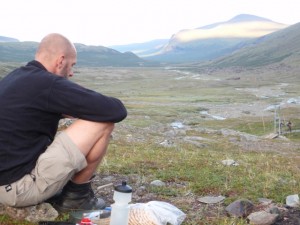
[{"x": 59, "y": 61}]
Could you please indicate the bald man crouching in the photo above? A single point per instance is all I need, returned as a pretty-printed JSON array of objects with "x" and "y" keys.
[{"x": 35, "y": 163}]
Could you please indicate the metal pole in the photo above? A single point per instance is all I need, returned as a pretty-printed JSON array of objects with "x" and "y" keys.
[{"x": 275, "y": 116}]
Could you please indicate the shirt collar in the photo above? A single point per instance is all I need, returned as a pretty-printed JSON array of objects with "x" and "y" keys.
[{"x": 36, "y": 64}]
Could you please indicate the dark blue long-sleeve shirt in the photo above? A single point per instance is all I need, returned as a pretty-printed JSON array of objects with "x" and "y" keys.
[{"x": 32, "y": 101}]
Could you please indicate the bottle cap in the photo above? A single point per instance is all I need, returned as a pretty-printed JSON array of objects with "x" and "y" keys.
[
  {"x": 124, "y": 188},
  {"x": 86, "y": 221}
]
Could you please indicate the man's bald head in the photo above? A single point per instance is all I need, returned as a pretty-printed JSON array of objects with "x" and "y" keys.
[{"x": 53, "y": 49}]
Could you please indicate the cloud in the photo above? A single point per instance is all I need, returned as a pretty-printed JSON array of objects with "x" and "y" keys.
[{"x": 236, "y": 30}]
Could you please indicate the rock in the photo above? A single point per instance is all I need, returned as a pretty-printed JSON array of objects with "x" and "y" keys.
[
  {"x": 141, "y": 191},
  {"x": 262, "y": 218},
  {"x": 211, "y": 199},
  {"x": 40, "y": 212},
  {"x": 168, "y": 143},
  {"x": 43, "y": 211},
  {"x": 276, "y": 210},
  {"x": 65, "y": 123},
  {"x": 16, "y": 213},
  {"x": 158, "y": 183},
  {"x": 109, "y": 179},
  {"x": 292, "y": 101},
  {"x": 265, "y": 201},
  {"x": 240, "y": 208},
  {"x": 271, "y": 136},
  {"x": 229, "y": 162},
  {"x": 177, "y": 125}
]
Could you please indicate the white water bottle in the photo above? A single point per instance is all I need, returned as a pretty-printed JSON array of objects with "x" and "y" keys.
[{"x": 120, "y": 208}]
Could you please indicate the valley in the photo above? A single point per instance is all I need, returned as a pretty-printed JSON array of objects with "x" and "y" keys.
[{"x": 182, "y": 122}]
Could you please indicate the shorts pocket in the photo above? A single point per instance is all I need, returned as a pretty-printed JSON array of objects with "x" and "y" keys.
[
  {"x": 25, "y": 191},
  {"x": 49, "y": 173}
]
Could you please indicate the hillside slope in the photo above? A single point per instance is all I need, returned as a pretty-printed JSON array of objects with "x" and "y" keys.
[
  {"x": 8, "y": 39},
  {"x": 102, "y": 56},
  {"x": 280, "y": 46},
  {"x": 215, "y": 40},
  {"x": 86, "y": 55}
]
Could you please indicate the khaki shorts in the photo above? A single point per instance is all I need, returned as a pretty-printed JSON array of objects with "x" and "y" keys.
[{"x": 54, "y": 168}]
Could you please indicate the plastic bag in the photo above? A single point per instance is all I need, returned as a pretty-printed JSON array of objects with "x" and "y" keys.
[
  {"x": 292, "y": 200},
  {"x": 155, "y": 212}
]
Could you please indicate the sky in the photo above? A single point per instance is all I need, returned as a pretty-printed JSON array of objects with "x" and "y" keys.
[{"x": 118, "y": 22}]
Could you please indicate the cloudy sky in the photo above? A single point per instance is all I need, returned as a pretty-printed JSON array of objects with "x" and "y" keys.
[{"x": 112, "y": 22}]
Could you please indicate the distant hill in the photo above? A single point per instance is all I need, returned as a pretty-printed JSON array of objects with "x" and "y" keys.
[
  {"x": 102, "y": 56},
  {"x": 142, "y": 49},
  {"x": 244, "y": 40},
  {"x": 280, "y": 46},
  {"x": 17, "y": 51},
  {"x": 211, "y": 41},
  {"x": 8, "y": 39},
  {"x": 87, "y": 55}
]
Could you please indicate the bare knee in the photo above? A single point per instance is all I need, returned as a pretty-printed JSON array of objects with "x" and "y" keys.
[
  {"x": 93, "y": 128},
  {"x": 109, "y": 128},
  {"x": 86, "y": 134}
]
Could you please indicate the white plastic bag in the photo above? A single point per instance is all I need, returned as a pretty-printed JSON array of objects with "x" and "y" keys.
[
  {"x": 292, "y": 200},
  {"x": 155, "y": 212}
]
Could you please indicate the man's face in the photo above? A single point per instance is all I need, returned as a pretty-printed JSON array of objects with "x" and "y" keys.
[{"x": 67, "y": 65}]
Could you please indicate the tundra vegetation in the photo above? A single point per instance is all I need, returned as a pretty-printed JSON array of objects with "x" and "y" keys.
[{"x": 205, "y": 116}]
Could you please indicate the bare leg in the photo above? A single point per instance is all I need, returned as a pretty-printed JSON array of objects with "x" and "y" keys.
[{"x": 92, "y": 138}]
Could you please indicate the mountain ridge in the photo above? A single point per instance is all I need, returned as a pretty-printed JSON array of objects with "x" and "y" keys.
[
  {"x": 8, "y": 39},
  {"x": 213, "y": 51},
  {"x": 214, "y": 40},
  {"x": 86, "y": 55},
  {"x": 279, "y": 46},
  {"x": 238, "y": 18}
]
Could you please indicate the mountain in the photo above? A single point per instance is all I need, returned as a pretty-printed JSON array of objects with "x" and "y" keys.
[
  {"x": 142, "y": 49},
  {"x": 102, "y": 56},
  {"x": 279, "y": 46},
  {"x": 86, "y": 55},
  {"x": 239, "y": 35},
  {"x": 7, "y": 39},
  {"x": 212, "y": 41},
  {"x": 17, "y": 51}
]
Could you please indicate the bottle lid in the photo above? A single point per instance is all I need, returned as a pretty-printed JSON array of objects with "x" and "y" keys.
[
  {"x": 124, "y": 188},
  {"x": 86, "y": 221}
]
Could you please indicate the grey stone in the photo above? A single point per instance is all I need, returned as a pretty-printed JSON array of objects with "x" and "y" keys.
[
  {"x": 211, "y": 199},
  {"x": 141, "y": 191},
  {"x": 265, "y": 201},
  {"x": 262, "y": 218},
  {"x": 109, "y": 179},
  {"x": 40, "y": 212},
  {"x": 229, "y": 162},
  {"x": 177, "y": 125},
  {"x": 240, "y": 208},
  {"x": 158, "y": 183},
  {"x": 274, "y": 210},
  {"x": 168, "y": 143},
  {"x": 43, "y": 211}
]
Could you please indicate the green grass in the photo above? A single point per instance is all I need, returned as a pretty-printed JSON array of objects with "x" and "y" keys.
[{"x": 258, "y": 175}]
